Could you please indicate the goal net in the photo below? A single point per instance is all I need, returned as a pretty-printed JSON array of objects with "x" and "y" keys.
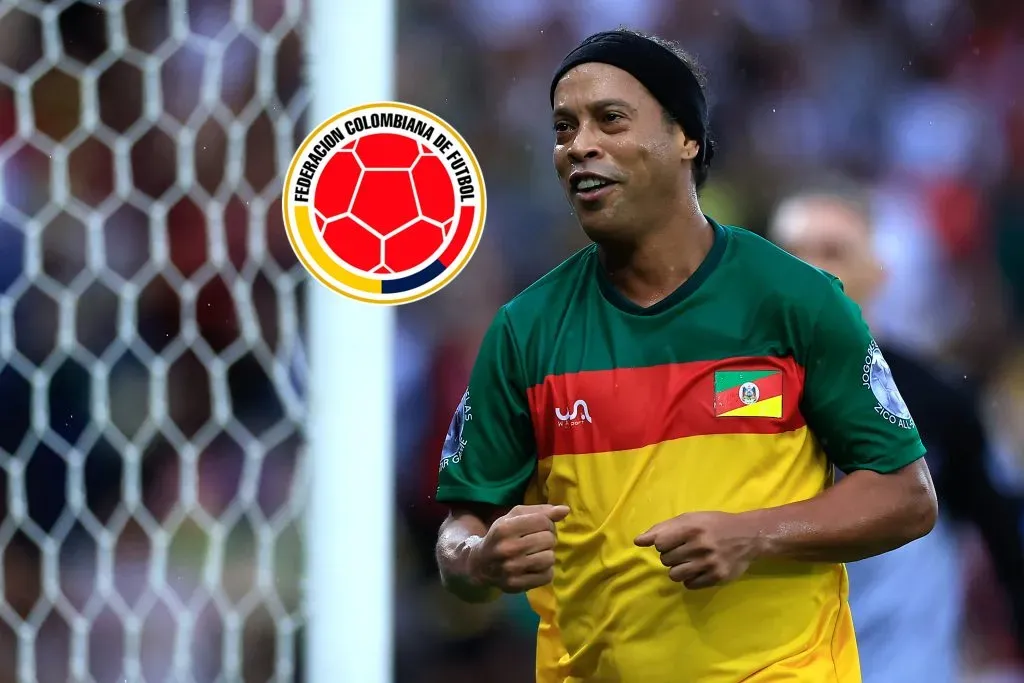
[{"x": 151, "y": 473}]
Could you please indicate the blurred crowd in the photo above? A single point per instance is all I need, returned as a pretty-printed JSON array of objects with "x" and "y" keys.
[{"x": 151, "y": 312}]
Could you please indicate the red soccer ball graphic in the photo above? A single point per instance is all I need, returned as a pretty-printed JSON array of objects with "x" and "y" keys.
[{"x": 385, "y": 204}]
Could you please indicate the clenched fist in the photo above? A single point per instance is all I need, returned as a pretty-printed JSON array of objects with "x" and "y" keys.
[
  {"x": 518, "y": 552},
  {"x": 703, "y": 549}
]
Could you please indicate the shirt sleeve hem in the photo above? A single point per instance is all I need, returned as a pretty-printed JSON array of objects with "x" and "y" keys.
[
  {"x": 888, "y": 465},
  {"x": 448, "y": 493}
]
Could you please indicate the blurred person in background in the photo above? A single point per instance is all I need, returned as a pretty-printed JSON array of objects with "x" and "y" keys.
[{"x": 907, "y": 604}]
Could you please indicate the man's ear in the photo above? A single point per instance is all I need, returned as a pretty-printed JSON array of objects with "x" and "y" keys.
[{"x": 688, "y": 148}]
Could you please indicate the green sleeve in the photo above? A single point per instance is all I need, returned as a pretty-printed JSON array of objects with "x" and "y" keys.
[
  {"x": 489, "y": 454},
  {"x": 850, "y": 400}
]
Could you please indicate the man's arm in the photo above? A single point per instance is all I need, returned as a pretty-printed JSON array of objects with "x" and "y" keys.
[
  {"x": 852, "y": 406},
  {"x": 464, "y": 529},
  {"x": 484, "y": 552},
  {"x": 490, "y": 544},
  {"x": 864, "y": 515}
]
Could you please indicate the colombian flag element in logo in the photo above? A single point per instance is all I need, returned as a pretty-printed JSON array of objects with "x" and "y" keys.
[
  {"x": 748, "y": 393},
  {"x": 384, "y": 203}
]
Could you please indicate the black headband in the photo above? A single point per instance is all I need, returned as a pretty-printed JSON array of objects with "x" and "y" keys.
[{"x": 667, "y": 77}]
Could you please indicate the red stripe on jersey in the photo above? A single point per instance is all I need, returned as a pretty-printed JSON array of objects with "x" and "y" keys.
[{"x": 626, "y": 408}]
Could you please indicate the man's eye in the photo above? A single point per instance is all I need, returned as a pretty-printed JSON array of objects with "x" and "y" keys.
[
  {"x": 612, "y": 116},
  {"x": 561, "y": 127}
]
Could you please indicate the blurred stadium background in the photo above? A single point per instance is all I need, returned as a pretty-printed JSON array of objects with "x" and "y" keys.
[{"x": 151, "y": 317}]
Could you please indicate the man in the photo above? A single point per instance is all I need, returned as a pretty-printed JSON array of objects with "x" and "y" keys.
[
  {"x": 907, "y": 603},
  {"x": 640, "y": 445}
]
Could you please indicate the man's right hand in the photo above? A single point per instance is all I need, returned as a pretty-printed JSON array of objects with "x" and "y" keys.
[{"x": 518, "y": 552}]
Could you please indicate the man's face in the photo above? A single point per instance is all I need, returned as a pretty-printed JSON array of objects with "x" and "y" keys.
[
  {"x": 617, "y": 158},
  {"x": 829, "y": 234}
]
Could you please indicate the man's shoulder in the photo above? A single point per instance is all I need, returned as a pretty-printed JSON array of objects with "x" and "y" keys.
[
  {"x": 542, "y": 299},
  {"x": 766, "y": 270}
]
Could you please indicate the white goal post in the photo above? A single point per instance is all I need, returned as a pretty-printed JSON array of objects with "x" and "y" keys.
[{"x": 351, "y": 62}]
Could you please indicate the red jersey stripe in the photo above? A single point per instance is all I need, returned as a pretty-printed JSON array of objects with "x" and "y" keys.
[{"x": 628, "y": 408}]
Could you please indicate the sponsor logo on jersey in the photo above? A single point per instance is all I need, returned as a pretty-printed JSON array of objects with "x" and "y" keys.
[
  {"x": 877, "y": 377},
  {"x": 579, "y": 414}
]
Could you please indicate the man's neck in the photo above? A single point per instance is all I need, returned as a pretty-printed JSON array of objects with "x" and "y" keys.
[{"x": 650, "y": 268}]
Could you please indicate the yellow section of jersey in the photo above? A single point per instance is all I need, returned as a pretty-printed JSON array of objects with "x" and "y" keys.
[
  {"x": 612, "y": 615},
  {"x": 770, "y": 407}
]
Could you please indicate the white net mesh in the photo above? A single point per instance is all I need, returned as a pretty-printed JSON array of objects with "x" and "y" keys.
[{"x": 149, "y": 332}]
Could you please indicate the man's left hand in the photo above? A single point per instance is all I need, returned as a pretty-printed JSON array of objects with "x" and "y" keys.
[{"x": 703, "y": 549}]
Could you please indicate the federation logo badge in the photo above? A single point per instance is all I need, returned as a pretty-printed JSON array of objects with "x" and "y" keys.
[{"x": 384, "y": 203}]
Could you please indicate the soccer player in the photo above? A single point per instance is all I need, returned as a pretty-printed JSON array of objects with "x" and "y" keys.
[
  {"x": 648, "y": 437},
  {"x": 907, "y": 604}
]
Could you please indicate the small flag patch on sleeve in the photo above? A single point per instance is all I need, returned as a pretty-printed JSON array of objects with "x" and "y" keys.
[{"x": 748, "y": 393}]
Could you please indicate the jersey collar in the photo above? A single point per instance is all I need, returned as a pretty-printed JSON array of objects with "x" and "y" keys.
[{"x": 707, "y": 266}]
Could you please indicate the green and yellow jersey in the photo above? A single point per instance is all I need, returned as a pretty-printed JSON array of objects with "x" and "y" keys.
[{"x": 742, "y": 390}]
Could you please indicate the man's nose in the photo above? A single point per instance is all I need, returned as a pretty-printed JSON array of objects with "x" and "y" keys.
[{"x": 585, "y": 145}]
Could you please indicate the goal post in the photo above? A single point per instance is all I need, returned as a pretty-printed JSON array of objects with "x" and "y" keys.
[{"x": 351, "y": 508}]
